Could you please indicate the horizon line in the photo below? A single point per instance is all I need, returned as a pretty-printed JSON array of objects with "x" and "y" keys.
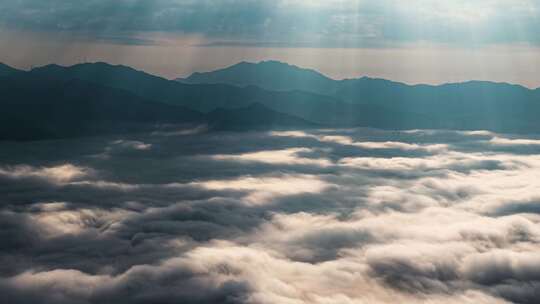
[{"x": 280, "y": 62}]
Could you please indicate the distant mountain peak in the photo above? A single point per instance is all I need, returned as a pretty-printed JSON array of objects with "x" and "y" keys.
[
  {"x": 103, "y": 64},
  {"x": 48, "y": 67},
  {"x": 269, "y": 74},
  {"x": 243, "y": 63},
  {"x": 276, "y": 62},
  {"x": 96, "y": 65},
  {"x": 262, "y": 64},
  {"x": 94, "y": 71}
]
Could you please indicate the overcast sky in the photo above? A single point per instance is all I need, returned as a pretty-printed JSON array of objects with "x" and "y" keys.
[{"x": 413, "y": 41}]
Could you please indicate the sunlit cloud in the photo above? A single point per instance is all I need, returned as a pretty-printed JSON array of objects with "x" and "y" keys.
[
  {"x": 59, "y": 222},
  {"x": 383, "y": 223},
  {"x": 262, "y": 190},
  {"x": 57, "y": 174},
  {"x": 349, "y": 141},
  {"x": 288, "y": 156},
  {"x": 133, "y": 144},
  {"x": 513, "y": 142}
]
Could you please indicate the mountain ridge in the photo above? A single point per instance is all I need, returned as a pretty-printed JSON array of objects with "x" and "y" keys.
[
  {"x": 499, "y": 101},
  {"x": 189, "y": 79},
  {"x": 277, "y": 76},
  {"x": 201, "y": 97},
  {"x": 374, "y": 103},
  {"x": 6, "y": 70},
  {"x": 37, "y": 107}
]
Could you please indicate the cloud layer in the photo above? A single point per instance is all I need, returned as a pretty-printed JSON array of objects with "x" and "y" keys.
[{"x": 328, "y": 216}]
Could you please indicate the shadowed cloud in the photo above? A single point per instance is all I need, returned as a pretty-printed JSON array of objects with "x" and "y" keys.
[{"x": 306, "y": 216}]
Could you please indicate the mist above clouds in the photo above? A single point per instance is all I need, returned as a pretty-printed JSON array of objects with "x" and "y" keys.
[{"x": 319, "y": 216}]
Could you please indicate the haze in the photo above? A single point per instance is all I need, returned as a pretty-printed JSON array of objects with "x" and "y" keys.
[{"x": 418, "y": 41}]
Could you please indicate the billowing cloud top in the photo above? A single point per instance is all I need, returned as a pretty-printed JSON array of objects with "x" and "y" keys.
[
  {"x": 314, "y": 216},
  {"x": 331, "y": 23}
]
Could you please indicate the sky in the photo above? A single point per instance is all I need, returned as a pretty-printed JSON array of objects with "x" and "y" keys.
[{"x": 417, "y": 41}]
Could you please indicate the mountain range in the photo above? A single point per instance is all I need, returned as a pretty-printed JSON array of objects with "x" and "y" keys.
[
  {"x": 94, "y": 98},
  {"x": 473, "y": 104}
]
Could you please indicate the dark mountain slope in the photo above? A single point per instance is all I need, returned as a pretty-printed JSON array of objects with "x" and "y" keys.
[
  {"x": 270, "y": 75},
  {"x": 41, "y": 108},
  {"x": 36, "y": 107},
  {"x": 6, "y": 70},
  {"x": 449, "y": 99},
  {"x": 111, "y": 94},
  {"x": 315, "y": 108},
  {"x": 478, "y": 98},
  {"x": 254, "y": 117},
  {"x": 474, "y": 104},
  {"x": 203, "y": 98}
]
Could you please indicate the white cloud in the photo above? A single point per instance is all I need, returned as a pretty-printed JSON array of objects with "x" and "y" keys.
[
  {"x": 57, "y": 174},
  {"x": 349, "y": 141},
  {"x": 457, "y": 225},
  {"x": 58, "y": 222},
  {"x": 513, "y": 142},
  {"x": 287, "y": 156},
  {"x": 262, "y": 190}
]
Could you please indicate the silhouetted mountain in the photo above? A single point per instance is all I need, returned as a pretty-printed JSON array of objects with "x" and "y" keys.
[
  {"x": 35, "y": 107},
  {"x": 278, "y": 76},
  {"x": 6, "y": 70},
  {"x": 270, "y": 75},
  {"x": 315, "y": 108},
  {"x": 255, "y": 116},
  {"x": 86, "y": 99},
  {"x": 38, "y": 106},
  {"x": 203, "y": 98},
  {"x": 475, "y": 104}
]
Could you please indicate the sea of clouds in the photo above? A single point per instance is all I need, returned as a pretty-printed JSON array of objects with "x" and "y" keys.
[{"x": 317, "y": 216}]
